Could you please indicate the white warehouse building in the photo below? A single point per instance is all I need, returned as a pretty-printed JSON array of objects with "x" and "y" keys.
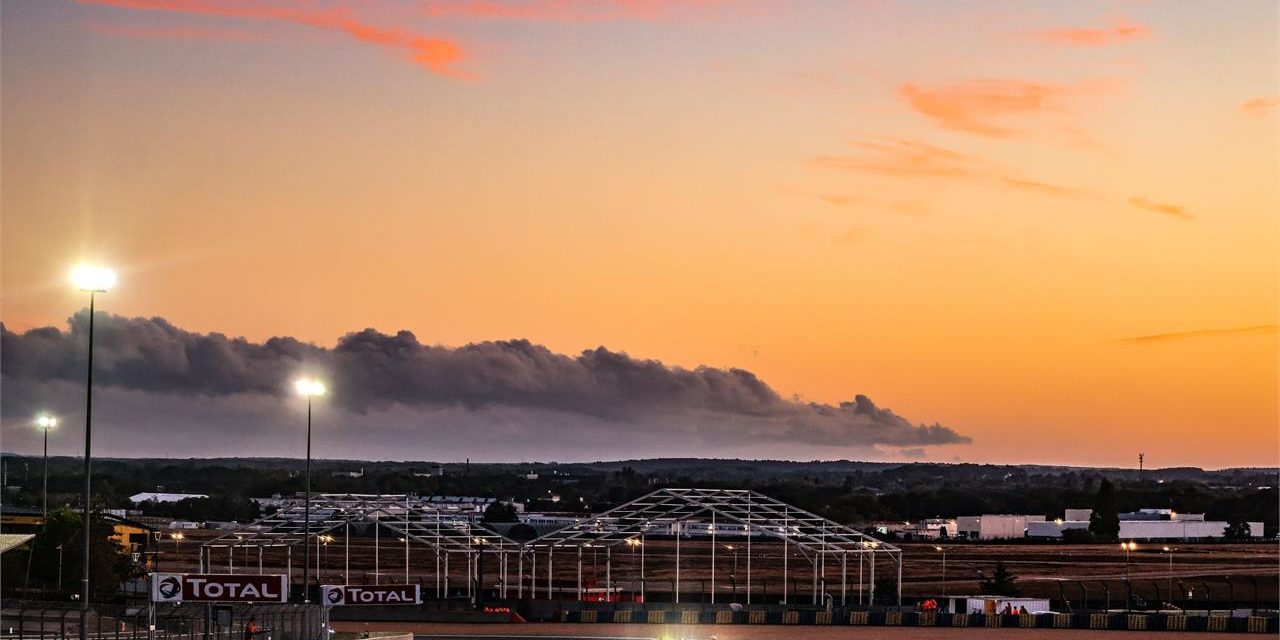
[
  {"x": 1144, "y": 524},
  {"x": 994, "y": 526}
]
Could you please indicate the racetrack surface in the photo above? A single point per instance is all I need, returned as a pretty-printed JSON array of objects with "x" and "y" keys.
[{"x": 550, "y": 631}]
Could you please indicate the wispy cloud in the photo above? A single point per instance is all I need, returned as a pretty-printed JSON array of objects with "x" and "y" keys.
[
  {"x": 914, "y": 159},
  {"x": 437, "y": 55},
  {"x": 1001, "y": 108},
  {"x": 1260, "y": 106},
  {"x": 1262, "y": 329},
  {"x": 1118, "y": 32},
  {"x": 981, "y": 106},
  {"x": 572, "y": 11},
  {"x": 1174, "y": 210},
  {"x": 905, "y": 158}
]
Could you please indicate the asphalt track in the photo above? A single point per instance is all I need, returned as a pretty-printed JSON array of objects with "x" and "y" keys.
[{"x": 554, "y": 631}]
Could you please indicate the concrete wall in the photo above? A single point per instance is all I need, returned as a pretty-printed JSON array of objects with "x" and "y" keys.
[
  {"x": 1053, "y": 529},
  {"x": 1178, "y": 529}
]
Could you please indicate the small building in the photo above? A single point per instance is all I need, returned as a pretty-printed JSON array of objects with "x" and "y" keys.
[
  {"x": 1144, "y": 524},
  {"x": 994, "y": 526},
  {"x": 131, "y": 535},
  {"x": 992, "y": 605},
  {"x": 1075, "y": 515},
  {"x": 153, "y": 496},
  {"x": 931, "y": 529},
  {"x": 21, "y": 519}
]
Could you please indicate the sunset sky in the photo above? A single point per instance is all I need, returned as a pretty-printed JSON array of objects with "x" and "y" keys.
[{"x": 1050, "y": 227}]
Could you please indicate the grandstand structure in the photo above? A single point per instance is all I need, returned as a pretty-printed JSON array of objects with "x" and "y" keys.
[{"x": 834, "y": 553}]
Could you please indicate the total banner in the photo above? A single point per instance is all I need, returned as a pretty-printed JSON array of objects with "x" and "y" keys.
[
  {"x": 206, "y": 587},
  {"x": 344, "y": 595}
]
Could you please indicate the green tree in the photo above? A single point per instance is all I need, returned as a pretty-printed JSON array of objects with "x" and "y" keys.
[
  {"x": 108, "y": 563},
  {"x": 500, "y": 512},
  {"x": 1104, "y": 522},
  {"x": 1237, "y": 530},
  {"x": 887, "y": 588},
  {"x": 999, "y": 583}
]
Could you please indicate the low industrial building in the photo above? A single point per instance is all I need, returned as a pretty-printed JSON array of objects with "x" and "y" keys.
[
  {"x": 155, "y": 496},
  {"x": 994, "y": 526},
  {"x": 1144, "y": 524}
]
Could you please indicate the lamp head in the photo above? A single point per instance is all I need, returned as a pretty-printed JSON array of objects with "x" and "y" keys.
[
  {"x": 309, "y": 387},
  {"x": 45, "y": 421},
  {"x": 98, "y": 279}
]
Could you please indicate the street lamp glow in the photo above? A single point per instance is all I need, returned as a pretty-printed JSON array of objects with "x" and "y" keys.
[
  {"x": 87, "y": 277},
  {"x": 309, "y": 387},
  {"x": 46, "y": 422}
]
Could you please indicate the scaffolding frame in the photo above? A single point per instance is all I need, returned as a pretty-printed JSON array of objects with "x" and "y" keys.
[
  {"x": 443, "y": 533},
  {"x": 664, "y": 512}
]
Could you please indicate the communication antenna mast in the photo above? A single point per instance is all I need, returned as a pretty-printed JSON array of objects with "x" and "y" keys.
[{"x": 1140, "y": 457}]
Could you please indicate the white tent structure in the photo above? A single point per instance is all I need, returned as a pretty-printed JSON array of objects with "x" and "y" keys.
[
  {"x": 666, "y": 513},
  {"x": 444, "y": 534}
]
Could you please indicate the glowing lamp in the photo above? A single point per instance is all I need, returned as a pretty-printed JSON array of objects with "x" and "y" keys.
[
  {"x": 309, "y": 387},
  {"x": 94, "y": 278}
]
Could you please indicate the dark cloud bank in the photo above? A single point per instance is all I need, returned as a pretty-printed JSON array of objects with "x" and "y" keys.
[{"x": 398, "y": 398}]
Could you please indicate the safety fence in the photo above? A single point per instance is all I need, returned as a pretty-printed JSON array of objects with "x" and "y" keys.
[
  {"x": 59, "y": 621},
  {"x": 1115, "y": 621}
]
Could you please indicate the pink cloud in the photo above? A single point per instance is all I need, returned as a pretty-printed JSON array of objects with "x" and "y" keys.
[
  {"x": 572, "y": 11},
  {"x": 1260, "y": 106},
  {"x": 434, "y": 54},
  {"x": 1120, "y": 31},
  {"x": 1174, "y": 210},
  {"x": 904, "y": 158},
  {"x": 983, "y": 106}
]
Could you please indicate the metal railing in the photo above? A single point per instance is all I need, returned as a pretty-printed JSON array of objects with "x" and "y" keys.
[{"x": 23, "y": 620}]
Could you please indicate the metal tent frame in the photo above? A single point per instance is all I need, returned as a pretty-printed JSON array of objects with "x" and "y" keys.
[
  {"x": 442, "y": 533},
  {"x": 664, "y": 512}
]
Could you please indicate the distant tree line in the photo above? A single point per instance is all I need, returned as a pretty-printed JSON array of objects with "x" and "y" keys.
[{"x": 847, "y": 492}]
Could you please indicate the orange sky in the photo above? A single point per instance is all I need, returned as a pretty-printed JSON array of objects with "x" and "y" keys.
[{"x": 968, "y": 211}]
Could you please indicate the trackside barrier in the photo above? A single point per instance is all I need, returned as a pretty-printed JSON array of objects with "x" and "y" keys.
[
  {"x": 879, "y": 617},
  {"x": 23, "y": 620}
]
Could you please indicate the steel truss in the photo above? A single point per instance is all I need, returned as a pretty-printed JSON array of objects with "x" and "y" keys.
[
  {"x": 442, "y": 533},
  {"x": 665, "y": 513}
]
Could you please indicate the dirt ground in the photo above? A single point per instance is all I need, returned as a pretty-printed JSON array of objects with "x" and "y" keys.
[
  {"x": 1207, "y": 571},
  {"x": 758, "y": 632}
]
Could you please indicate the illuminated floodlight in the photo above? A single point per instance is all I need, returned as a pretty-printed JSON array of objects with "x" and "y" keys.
[
  {"x": 310, "y": 387},
  {"x": 98, "y": 279},
  {"x": 46, "y": 421}
]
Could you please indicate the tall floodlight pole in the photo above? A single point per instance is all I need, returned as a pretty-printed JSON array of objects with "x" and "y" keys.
[
  {"x": 943, "y": 551},
  {"x": 310, "y": 388},
  {"x": 92, "y": 280},
  {"x": 46, "y": 422}
]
